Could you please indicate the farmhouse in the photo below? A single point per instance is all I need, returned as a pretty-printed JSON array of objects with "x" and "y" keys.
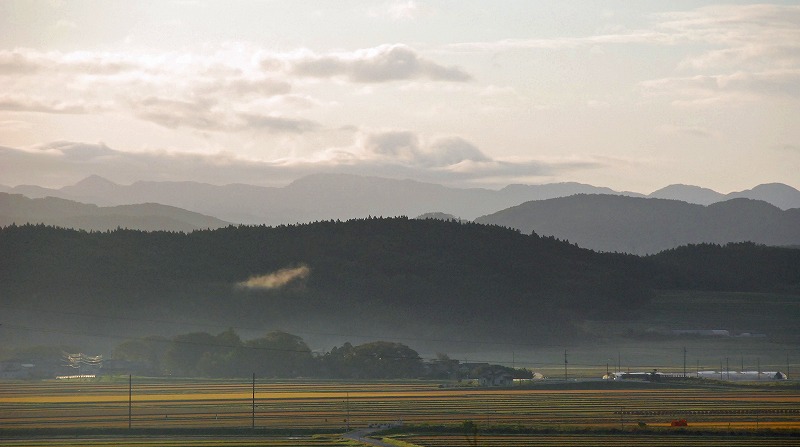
[
  {"x": 743, "y": 375},
  {"x": 84, "y": 364},
  {"x": 492, "y": 377}
]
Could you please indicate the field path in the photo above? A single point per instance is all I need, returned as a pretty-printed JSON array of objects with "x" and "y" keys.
[{"x": 361, "y": 436}]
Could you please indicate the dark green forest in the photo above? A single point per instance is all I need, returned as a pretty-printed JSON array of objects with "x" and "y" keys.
[{"x": 428, "y": 277}]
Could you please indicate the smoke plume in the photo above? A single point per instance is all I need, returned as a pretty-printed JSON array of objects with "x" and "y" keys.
[{"x": 277, "y": 279}]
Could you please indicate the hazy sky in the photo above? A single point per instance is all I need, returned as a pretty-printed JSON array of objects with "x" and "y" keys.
[{"x": 634, "y": 95}]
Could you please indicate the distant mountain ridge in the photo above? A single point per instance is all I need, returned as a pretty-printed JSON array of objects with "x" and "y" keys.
[
  {"x": 783, "y": 196},
  {"x": 689, "y": 194},
  {"x": 645, "y": 226},
  {"x": 343, "y": 196},
  {"x": 18, "y": 209}
]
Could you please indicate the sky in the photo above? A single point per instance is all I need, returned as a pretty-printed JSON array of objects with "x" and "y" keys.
[{"x": 632, "y": 95}]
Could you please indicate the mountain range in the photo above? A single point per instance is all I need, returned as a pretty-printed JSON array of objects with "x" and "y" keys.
[
  {"x": 341, "y": 196},
  {"x": 18, "y": 209},
  {"x": 778, "y": 194},
  {"x": 645, "y": 226},
  {"x": 593, "y": 217}
]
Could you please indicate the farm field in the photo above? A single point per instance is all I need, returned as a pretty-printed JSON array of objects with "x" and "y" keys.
[
  {"x": 596, "y": 440},
  {"x": 169, "y": 441},
  {"x": 328, "y": 408}
]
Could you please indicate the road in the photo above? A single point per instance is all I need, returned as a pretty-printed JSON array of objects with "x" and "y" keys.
[{"x": 361, "y": 436}]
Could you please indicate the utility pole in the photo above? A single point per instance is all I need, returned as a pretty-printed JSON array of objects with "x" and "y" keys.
[
  {"x": 565, "y": 365},
  {"x": 727, "y": 369},
  {"x": 758, "y": 368},
  {"x": 254, "y": 402},
  {"x": 347, "y": 405},
  {"x": 130, "y": 398},
  {"x": 684, "y": 362}
]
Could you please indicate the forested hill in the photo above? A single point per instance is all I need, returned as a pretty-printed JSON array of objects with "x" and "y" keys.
[
  {"x": 18, "y": 209},
  {"x": 398, "y": 276},
  {"x": 645, "y": 226},
  {"x": 736, "y": 267}
]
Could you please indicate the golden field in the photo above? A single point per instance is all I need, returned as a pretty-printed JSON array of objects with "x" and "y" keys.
[
  {"x": 307, "y": 404},
  {"x": 333, "y": 406}
]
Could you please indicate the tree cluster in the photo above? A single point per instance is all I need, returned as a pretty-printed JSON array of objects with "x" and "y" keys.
[{"x": 278, "y": 354}]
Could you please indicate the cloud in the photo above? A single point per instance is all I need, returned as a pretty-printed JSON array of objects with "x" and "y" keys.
[
  {"x": 201, "y": 92},
  {"x": 727, "y": 23},
  {"x": 735, "y": 53},
  {"x": 78, "y": 152},
  {"x": 404, "y": 154},
  {"x": 242, "y": 87},
  {"x": 238, "y": 88},
  {"x": 394, "y": 145},
  {"x": 27, "y": 61},
  {"x": 15, "y": 125},
  {"x": 384, "y": 63},
  {"x": 17, "y": 62},
  {"x": 745, "y": 37},
  {"x": 277, "y": 123},
  {"x": 276, "y": 279},
  {"x": 692, "y": 131},
  {"x": 404, "y": 10},
  {"x": 630, "y": 37},
  {"x": 207, "y": 114},
  {"x": 771, "y": 27},
  {"x": 39, "y": 105},
  {"x": 64, "y": 162},
  {"x": 392, "y": 154},
  {"x": 736, "y": 87},
  {"x": 752, "y": 53},
  {"x": 405, "y": 147},
  {"x": 201, "y": 113},
  {"x": 453, "y": 150},
  {"x": 60, "y": 163},
  {"x": 513, "y": 170},
  {"x": 755, "y": 55}
]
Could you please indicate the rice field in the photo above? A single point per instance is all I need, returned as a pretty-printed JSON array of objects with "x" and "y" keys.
[
  {"x": 171, "y": 441},
  {"x": 633, "y": 440},
  {"x": 333, "y": 407}
]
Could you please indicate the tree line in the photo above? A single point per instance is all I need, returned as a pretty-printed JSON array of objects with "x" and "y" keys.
[{"x": 280, "y": 354}]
